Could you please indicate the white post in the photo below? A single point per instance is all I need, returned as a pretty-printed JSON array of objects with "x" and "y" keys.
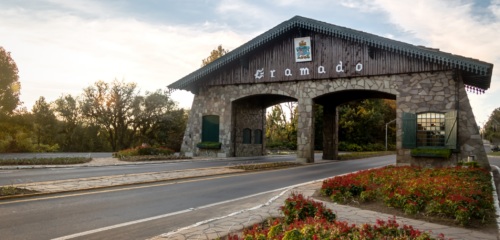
[{"x": 386, "y": 133}]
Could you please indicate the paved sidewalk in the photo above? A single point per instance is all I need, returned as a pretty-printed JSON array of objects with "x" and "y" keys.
[
  {"x": 211, "y": 229},
  {"x": 120, "y": 180}
]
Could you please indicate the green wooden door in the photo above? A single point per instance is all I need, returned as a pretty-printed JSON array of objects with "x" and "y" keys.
[
  {"x": 409, "y": 130},
  {"x": 450, "y": 130},
  {"x": 210, "y": 129}
]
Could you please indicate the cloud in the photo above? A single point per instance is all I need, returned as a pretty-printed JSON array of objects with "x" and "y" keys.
[
  {"x": 57, "y": 52},
  {"x": 452, "y": 27}
]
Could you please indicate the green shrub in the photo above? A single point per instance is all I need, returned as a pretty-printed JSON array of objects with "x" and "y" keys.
[
  {"x": 343, "y": 146},
  {"x": 142, "y": 151},
  {"x": 353, "y": 147}
]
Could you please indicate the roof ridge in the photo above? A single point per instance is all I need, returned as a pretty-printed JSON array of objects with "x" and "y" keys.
[{"x": 456, "y": 61}]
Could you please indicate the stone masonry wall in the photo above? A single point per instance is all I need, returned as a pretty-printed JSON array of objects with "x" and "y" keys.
[
  {"x": 249, "y": 114},
  {"x": 425, "y": 92},
  {"x": 414, "y": 93}
]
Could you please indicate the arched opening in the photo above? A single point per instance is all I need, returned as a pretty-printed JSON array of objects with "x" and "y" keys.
[
  {"x": 249, "y": 123},
  {"x": 353, "y": 120}
]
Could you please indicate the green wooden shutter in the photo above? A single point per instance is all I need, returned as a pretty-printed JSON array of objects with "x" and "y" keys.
[
  {"x": 210, "y": 129},
  {"x": 409, "y": 127},
  {"x": 258, "y": 136},
  {"x": 247, "y": 136},
  {"x": 450, "y": 132}
]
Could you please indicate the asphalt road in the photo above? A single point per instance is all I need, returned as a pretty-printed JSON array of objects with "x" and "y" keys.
[
  {"x": 63, "y": 214},
  {"x": 51, "y": 174}
]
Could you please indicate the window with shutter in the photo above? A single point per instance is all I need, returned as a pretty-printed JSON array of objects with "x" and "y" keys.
[
  {"x": 210, "y": 129},
  {"x": 247, "y": 136},
  {"x": 257, "y": 136},
  {"x": 450, "y": 135},
  {"x": 409, "y": 124},
  {"x": 430, "y": 129}
]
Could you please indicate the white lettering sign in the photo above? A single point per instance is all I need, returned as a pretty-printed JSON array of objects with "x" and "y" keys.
[
  {"x": 259, "y": 74},
  {"x": 339, "y": 67},
  {"x": 359, "y": 67},
  {"x": 304, "y": 71},
  {"x": 288, "y": 72},
  {"x": 321, "y": 69},
  {"x": 272, "y": 73}
]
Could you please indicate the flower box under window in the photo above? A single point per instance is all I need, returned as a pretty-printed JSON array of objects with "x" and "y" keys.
[
  {"x": 209, "y": 145},
  {"x": 430, "y": 152}
]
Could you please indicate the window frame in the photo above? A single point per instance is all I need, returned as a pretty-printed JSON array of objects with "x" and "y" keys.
[{"x": 417, "y": 130}]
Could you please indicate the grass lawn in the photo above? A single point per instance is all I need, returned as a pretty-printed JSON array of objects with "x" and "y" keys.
[
  {"x": 44, "y": 161},
  {"x": 494, "y": 153},
  {"x": 362, "y": 154}
]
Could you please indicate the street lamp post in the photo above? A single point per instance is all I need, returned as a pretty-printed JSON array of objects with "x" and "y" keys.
[{"x": 386, "y": 133}]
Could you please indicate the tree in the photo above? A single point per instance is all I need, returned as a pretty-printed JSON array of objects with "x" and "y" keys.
[
  {"x": 68, "y": 110},
  {"x": 363, "y": 121},
  {"x": 492, "y": 127},
  {"x": 45, "y": 125},
  {"x": 215, "y": 54},
  {"x": 113, "y": 106},
  {"x": 9, "y": 83}
]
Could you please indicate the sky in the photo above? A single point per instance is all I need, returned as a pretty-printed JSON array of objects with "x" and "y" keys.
[{"x": 62, "y": 47}]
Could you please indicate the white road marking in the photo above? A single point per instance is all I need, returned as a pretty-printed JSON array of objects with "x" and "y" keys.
[{"x": 188, "y": 210}]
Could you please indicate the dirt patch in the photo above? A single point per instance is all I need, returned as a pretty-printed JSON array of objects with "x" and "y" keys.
[
  {"x": 490, "y": 227},
  {"x": 12, "y": 191}
]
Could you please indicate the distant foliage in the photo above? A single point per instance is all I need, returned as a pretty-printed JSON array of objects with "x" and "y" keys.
[
  {"x": 361, "y": 126},
  {"x": 10, "y": 88},
  {"x": 106, "y": 117},
  {"x": 214, "y": 55}
]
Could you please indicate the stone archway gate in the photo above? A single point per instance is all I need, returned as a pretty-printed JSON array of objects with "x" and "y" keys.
[{"x": 312, "y": 62}]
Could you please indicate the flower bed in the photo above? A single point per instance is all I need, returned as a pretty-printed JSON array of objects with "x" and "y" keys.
[
  {"x": 307, "y": 219},
  {"x": 153, "y": 158},
  {"x": 143, "y": 150},
  {"x": 44, "y": 161},
  {"x": 459, "y": 193}
]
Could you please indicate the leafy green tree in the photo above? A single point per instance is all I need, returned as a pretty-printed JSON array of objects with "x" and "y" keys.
[
  {"x": 318, "y": 127},
  {"x": 45, "y": 122},
  {"x": 363, "y": 121},
  {"x": 214, "y": 55},
  {"x": 113, "y": 106},
  {"x": 68, "y": 110},
  {"x": 10, "y": 88},
  {"x": 492, "y": 127}
]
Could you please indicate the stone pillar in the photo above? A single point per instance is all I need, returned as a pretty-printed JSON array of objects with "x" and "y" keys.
[
  {"x": 305, "y": 131},
  {"x": 330, "y": 133}
]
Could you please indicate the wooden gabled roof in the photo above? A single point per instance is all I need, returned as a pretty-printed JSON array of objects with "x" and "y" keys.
[{"x": 478, "y": 73}]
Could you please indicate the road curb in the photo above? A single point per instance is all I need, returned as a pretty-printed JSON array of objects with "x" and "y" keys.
[
  {"x": 145, "y": 182},
  {"x": 128, "y": 164}
]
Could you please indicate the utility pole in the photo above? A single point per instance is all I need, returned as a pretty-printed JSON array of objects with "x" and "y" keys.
[{"x": 386, "y": 133}]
